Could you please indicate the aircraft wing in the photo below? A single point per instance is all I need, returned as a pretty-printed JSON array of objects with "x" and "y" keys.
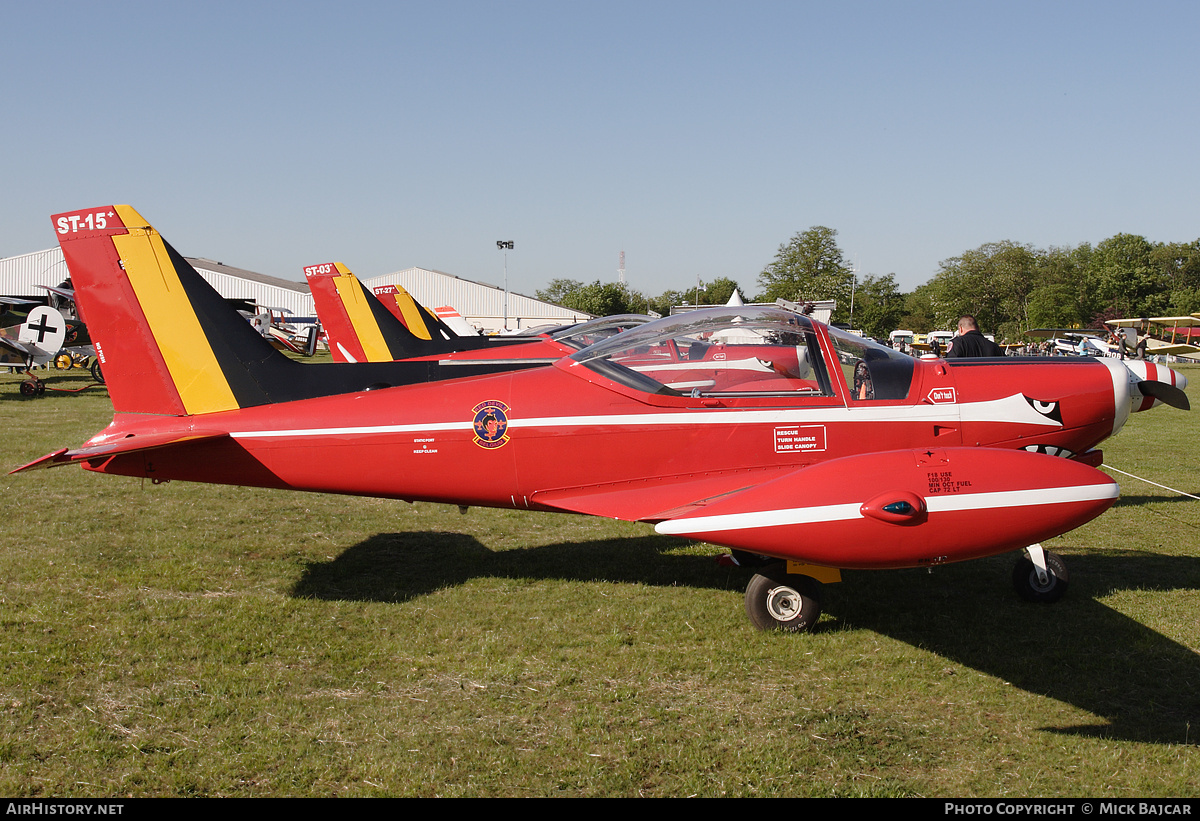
[
  {"x": 1176, "y": 321},
  {"x": 124, "y": 444},
  {"x": 917, "y": 497},
  {"x": 65, "y": 293},
  {"x": 1165, "y": 349},
  {"x": 1049, "y": 333},
  {"x": 1167, "y": 321},
  {"x": 14, "y": 347},
  {"x": 652, "y": 500},
  {"x": 912, "y": 500}
]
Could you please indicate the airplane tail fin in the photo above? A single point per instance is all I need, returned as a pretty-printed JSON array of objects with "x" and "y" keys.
[
  {"x": 168, "y": 343},
  {"x": 453, "y": 320},
  {"x": 359, "y": 327},
  {"x": 421, "y": 321}
]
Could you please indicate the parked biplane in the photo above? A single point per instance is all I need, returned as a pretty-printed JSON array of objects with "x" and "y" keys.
[
  {"x": 1163, "y": 335},
  {"x": 804, "y": 449},
  {"x": 1075, "y": 341},
  {"x": 361, "y": 328},
  {"x": 35, "y": 334},
  {"x": 37, "y": 341}
]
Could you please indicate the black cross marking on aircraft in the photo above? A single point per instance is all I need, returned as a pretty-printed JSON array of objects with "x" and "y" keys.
[{"x": 42, "y": 328}]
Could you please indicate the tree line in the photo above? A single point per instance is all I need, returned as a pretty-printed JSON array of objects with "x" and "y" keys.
[{"x": 1009, "y": 287}]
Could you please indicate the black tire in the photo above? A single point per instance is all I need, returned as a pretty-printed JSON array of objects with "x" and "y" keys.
[
  {"x": 99, "y": 377},
  {"x": 63, "y": 362},
  {"x": 778, "y": 600},
  {"x": 1025, "y": 579},
  {"x": 29, "y": 388}
]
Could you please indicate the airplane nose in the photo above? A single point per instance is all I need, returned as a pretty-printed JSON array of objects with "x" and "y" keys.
[{"x": 1139, "y": 386}]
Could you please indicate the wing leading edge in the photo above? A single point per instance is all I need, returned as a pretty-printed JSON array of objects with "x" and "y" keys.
[{"x": 891, "y": 509}]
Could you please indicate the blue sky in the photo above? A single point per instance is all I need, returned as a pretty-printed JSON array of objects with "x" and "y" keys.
[{"x": 696, "y": 137}]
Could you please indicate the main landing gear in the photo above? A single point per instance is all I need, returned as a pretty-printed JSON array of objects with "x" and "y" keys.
[
  {"x": 1040, "y": 576},
  {"x": 791, "y": 602},
  {"x": 778, "y": 600},
  {"x": 33, "y": 387}
]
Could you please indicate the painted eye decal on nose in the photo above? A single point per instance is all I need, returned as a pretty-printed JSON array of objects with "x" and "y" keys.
[{"x": 1047, "y": 409}]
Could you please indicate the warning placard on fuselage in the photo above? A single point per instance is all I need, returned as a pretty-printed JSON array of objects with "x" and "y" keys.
[{"x": 797, "y": 438}]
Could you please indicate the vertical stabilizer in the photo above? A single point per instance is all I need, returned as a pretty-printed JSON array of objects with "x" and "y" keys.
[
  {"x": 163, "y": 336},
  {"x": 359, "y": 327},
  {"x": 421, "y": 321}
]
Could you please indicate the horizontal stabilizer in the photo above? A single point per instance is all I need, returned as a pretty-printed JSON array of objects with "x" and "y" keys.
[
  {"x": 14, "y": 347},
  {"x": 130, "y": 443}
]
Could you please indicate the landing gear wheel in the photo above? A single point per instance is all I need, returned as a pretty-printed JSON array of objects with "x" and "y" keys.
[
  {"x": 778, "y": 600},
  {"x": 1025, "y": 579},
  {"x": 33, "y": 387},
  {"x": 63, "y": 362},
  {"x": 99, "y": 377}
]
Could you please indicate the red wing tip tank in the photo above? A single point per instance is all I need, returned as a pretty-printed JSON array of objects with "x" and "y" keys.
[{"x": 802, "y": 448}]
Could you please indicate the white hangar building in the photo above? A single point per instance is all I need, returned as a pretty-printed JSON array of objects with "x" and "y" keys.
[
  {"x": 21, "y": 276},
  {"x": 481, "y": 305},
  {"x": 258, "y": 289}
]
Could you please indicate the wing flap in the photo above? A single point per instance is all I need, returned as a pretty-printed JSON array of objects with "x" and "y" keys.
[{"x": 656, "y": 498}]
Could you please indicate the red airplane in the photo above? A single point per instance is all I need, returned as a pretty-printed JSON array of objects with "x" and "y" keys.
[
  {"x": 364, "y": 327},
  {"x": 804, "y": 449}
]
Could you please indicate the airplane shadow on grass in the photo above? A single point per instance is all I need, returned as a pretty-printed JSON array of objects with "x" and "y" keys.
[
  {"x": 1138, "y": 501},
  {"x": 1145, "y": 685}
]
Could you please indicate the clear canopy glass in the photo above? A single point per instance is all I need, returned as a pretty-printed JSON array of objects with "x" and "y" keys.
[{"x": 746, "y": 351}]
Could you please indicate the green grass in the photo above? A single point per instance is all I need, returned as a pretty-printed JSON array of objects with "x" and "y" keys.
[{"x": 182, "y": 639}]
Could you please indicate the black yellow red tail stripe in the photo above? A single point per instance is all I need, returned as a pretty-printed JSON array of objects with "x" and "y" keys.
[
  {"x": 170, "y": 344},
  {"x": 358, "y": 326},
  {"x": 383, "y": 325},
  {"x": 147, "y": 316},
  {"x": 421, "y": 321}
]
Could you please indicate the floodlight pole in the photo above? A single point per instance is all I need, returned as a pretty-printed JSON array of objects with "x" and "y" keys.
[
  {"x": 853, "y": 288},
  {"x": 505, "y": 245}
]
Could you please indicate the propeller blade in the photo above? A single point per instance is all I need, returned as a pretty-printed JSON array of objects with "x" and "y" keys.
[{"x": 1167, "y": 394}]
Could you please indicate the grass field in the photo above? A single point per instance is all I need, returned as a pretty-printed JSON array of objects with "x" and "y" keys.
[{"x": 182, "y": 639}]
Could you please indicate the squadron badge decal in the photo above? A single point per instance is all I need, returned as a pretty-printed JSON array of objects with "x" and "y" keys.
[{"x": 491, "y": 424}]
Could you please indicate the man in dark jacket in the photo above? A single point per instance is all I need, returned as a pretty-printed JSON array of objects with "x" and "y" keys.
[{"x": 970, "y": 342}]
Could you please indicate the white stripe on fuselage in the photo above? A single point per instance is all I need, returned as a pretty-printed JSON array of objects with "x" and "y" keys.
[
  {"x": 853, "y": 510},
  {"x": 1013, "y": 410}
]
